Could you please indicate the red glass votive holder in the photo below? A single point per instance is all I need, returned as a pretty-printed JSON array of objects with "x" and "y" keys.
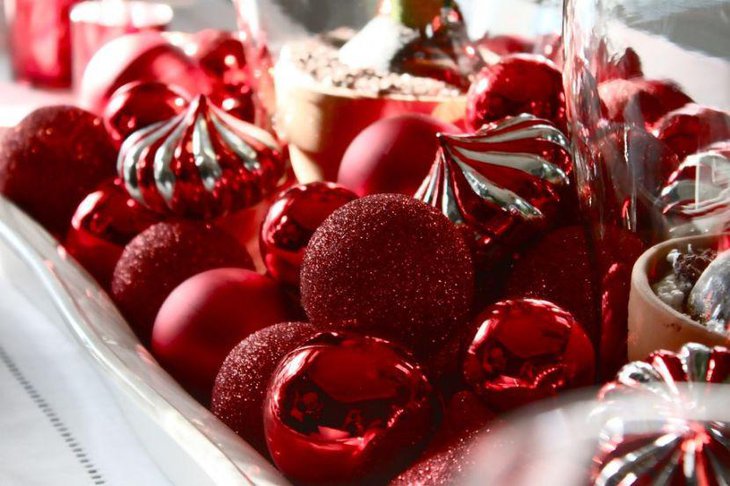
[
  {"x": 94, "y": 23},
  {"x": 40, "y": 41}
]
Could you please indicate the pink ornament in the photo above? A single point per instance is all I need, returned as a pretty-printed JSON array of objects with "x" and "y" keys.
[{"x": 202, "y": 163}]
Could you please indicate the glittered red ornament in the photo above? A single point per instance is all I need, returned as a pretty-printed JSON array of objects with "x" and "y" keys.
[
  {"x": 640, "y": 101},
  {"x": 138, "y": 105},
  {"x": 392, "y": 155},
  {"x": 290, "y": 222},
  {"x": 103, "y": 224},
  {"x": 390, "y": 266},
  {"x": 51, "y": 160},
  {"x": 241, "y": 385},
  {"x": 344, "y": 408},
  {"x": 525, "y": 350},
  {"x": 206, "y": 316},
  {"x": 502, "y": 184},
  {"x": 144, "y": 56},
  {"x": 202, "y": 163},
  {"x": 161, "y": 258},
  {"x": 517, "y": 84},
  {"x": 691, "y": 128}
]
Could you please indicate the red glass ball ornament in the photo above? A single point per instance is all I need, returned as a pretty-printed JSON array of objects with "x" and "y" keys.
[
  {"x": 389, "y": 266},
  {"x": 290, "y": 223},
  {"x": 500, "y": 185},
  {"x": 144, "y": 56},
  {"x": 161, "y": 258},
  {"x": 52, "y": 160},
  {"x": 517, "y": 84},
  {"x": 206, "y": 316},
  {"x": 392, "y": 155},
  {"x": 344, "y": 408},
  {"x": 138, "y": 105},
  {"x": 526, "y": 350},
  {"x": 202, "y": 163},
  {"x": 691, "y": 128},
  {"x": 103, "y": 224},
  {"x": 640, "y": 101},
  {"x": 243, "y": 380}
]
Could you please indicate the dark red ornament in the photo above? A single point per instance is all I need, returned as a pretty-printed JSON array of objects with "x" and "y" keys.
[
  {"x": 202, "y": 163},
  {"x": 290, "y": 223},
  {"x": 392, "y": 155},
  {"x": 105, "y": 221},
  {"x": 52, "y": 160},
  {"x": 525, "y": 350},
  {"x": 344, "y": 408},
  {"x": 138, "y": 105},
  {"x": 502, "y": 184},
  {"x": 517, "y": 84},
  {"x": 389, "y": 266},
  {"x": 640, "y": 101},
  {"x": 241, "y": 385},
  {"x": 161, "y": 258},
  {"x": 206, "y": 316},
  {"x": 691, "y": 128}
]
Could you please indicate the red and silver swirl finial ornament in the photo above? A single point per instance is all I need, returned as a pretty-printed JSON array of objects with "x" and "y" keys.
[
  {"x": 501, "y": 183},
  {"x": 202, "y": 163}
]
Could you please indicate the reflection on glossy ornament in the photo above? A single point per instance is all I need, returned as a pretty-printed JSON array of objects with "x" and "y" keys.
[
  {"x": 343, "y": 408},
  {"x": 526, "y": 350},
  {"x": 202, "y": 163},
  {"x": 502, "y": 183},
  {"x": 290, "y": 223},
  {"x": 709, "y": 300},
  {"x": 138, "y": 105}
]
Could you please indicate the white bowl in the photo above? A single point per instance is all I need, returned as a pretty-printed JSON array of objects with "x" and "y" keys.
[{"x": 189, "y": 444}]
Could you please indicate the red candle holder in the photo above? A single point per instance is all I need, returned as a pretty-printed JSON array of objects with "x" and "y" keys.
[
  {"x": 94, "y": 23},
  {"x": 40, "y": 41}
]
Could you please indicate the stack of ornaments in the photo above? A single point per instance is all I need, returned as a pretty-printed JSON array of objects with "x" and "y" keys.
[{"x": 443, "y": 279}]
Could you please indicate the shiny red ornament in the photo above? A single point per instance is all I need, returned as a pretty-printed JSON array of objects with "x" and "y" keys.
[
  {"x": 392, "y": 155},
  {"x": 243, "y": 380},
  {"x": 389, "y": 266},
  {"x": 143, "y": 57},
  {"x": 202, "y": 163},
  {"x": 290, "y": 222},
  {"x": 526, "y": 350},
  {"x": 502, "y": 184},
  {"x": 517, "y": 84},
  {"x": 103, "y": 224},
  {"x": 344, "y": 408},
  {"x": 138, "y": 105},
  {"x": 691, "y": 128},
  {"x": 206, "y": 316},
  {"x": 161, "y": 258},
  {"x": 640, "y": 101},
  {"x": 52, "y": 160},
  {"x": 608, "y": 66}
]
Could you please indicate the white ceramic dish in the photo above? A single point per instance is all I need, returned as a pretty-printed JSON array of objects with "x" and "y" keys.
[{"x": 190, "y": 445}]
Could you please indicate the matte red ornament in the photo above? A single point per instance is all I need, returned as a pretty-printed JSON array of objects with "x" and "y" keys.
[
  {"x": 517, "y": 84},
  {"x": 52, "y": 160},
  {"x": 345, "y": 408},
  {"x": 691, "y": 128},
  {"x": 138, "y": 105},
  {"x": 640, "y": 101},
  {"x": 243, "y": 380},
  {"x": 105, "y": 221},
  {"x": 161, "y": 258},
  {"x": 290, "y": 223},
  {"x": 526, "y": 350},
  {"x": 202, "y": 163},
  {"x": 392, "y": 155},
  {"x": 502, "y": 184},
  {"x": 389, "y": 266},
  {"x": 144, "y": 56},
  {"x": 206, "y": 316}
]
